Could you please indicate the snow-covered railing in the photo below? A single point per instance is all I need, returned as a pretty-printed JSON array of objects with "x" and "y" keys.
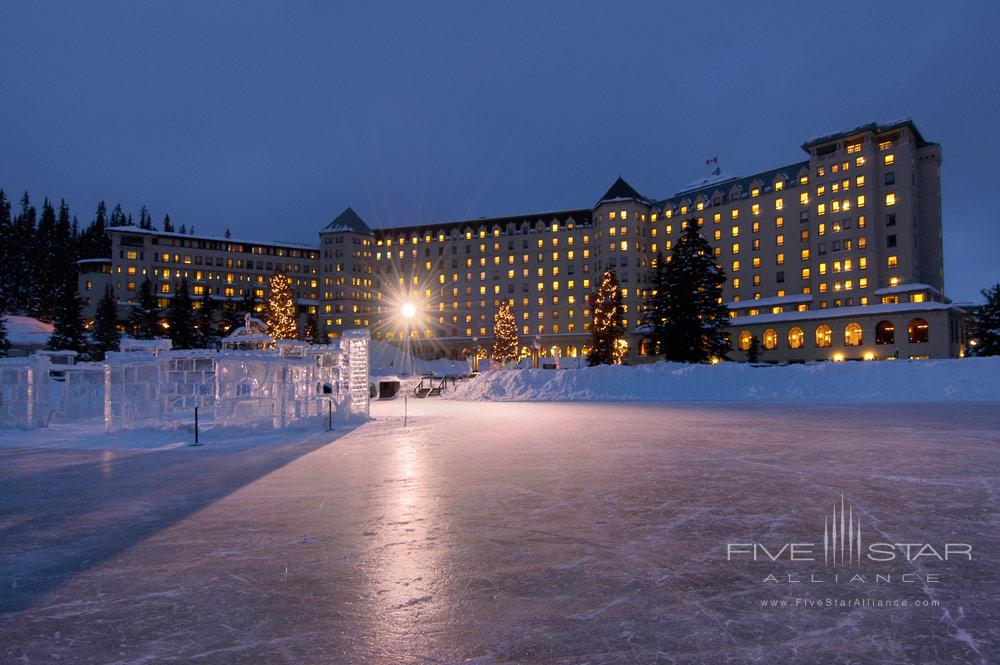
[{"x": 232, "y": 388}]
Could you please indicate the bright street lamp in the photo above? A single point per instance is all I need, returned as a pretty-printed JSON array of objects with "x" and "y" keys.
[{"x": 409, "y": 310}]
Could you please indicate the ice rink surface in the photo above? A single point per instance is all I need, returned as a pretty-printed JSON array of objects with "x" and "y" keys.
[{"x": 511, "y": 532}]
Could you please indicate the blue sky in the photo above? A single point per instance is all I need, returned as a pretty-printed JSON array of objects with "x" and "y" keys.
[{"x": 271, "y": 118}]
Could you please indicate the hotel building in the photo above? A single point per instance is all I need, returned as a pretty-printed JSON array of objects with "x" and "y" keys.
[{"x": 837, "y": 256}]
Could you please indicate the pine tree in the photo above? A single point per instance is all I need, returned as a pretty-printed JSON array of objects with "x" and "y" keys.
[
  {"x": 205, "y": 322},
  {"x": 47, "y": 273},
  {"x": 655, "y": 315},
  {"x": 23, "y": 260},
  {"x": 753, "y": 353},
  {"x": 986, "y": 324},
  {"x": 605, "y": 326},
  {"x": 281, "y": 323},
  {"x": 182, "y": 230},
  {"x": 180, "y": 317},
  {"x": 144, "y": 321},
  {"x": 106, "y": 336},
  {"x": 8, "y": 247},
  {"x": 145, "y": 221},
  {"x": 168, "y": 226},
  {"x": 4, "y": 344},
  {"x": 228, "y": 234},
  {"x": 68, "y": 333},
  {"x": 506, "y": 342},
  {"x": 695, "y": 318}
]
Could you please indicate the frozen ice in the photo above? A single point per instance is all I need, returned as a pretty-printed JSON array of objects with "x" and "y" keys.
[{"x": 504, "y": 533}]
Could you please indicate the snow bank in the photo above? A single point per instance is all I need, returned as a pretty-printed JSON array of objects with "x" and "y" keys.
[
  {"x": 387, "y": 360},
  {"x": 968, "y": 379},
  {"x": 26, "y": 331}
]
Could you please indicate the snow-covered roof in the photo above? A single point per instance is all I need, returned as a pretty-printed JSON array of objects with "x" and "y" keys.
[
  {"x": 840, "y": 312},
  {"x": 710, "y": 179},
  {"x": 774, "y": 301},
  {"x": 201, "y": 236},
  {"x": 27, "y": 331},
  {"x": 906, "y": 288}
]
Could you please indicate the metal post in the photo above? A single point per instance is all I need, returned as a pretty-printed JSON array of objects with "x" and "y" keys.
[
  {"x": 330, "y": 417},
  {"x": 196, "y": 442}
]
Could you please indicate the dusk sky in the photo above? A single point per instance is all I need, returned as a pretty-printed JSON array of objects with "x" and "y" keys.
[{"x": 271, "y": 118}]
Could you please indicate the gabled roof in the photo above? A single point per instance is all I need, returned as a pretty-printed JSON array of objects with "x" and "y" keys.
[
  {"x": 348, "y": 222},
  {"x": 622, "y": 191}
]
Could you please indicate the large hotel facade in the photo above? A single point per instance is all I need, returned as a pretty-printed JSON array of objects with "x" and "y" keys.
[{"x": 836, "y": 257}]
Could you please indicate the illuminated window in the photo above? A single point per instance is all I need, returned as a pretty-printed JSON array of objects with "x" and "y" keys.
[
  {"x": 804, "y": 198},
  {"x": 805, "y": 273},
  {"x": 734, "y": 213},
  {"x": 885, "y": 333},
  {"x": 821, "y": 209},
  {"x": 779, "y": 204},
  {"x": 892, "y": 261},
  {"x": 824, "y": 336},
  {"x": 889, "y": 159},
  {"x": 770, "y": 339},
  {"x": 918, "y": 331},
  {"x": 746, "y": 340},
  {"x": 853, "y": 148},
  {"x": 796, "y": 338},
  {"x": 890, "y": 199},
  {"x": 853, "y": 335}
]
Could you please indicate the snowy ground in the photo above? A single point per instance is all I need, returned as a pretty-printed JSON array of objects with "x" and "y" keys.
[
  {"x": 969, "y": 379},
  {"x": 505, "y": 533}
]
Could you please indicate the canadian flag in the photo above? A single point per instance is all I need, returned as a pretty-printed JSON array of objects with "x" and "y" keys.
[{"x": 714, "y": 160}]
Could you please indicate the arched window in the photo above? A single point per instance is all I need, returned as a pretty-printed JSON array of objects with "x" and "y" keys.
[
  {"x": 770, "y": 339},
  {"x": 824, "y": 336},
  {"x": 919, "y": 332},
  {"x": 746, "y": 340},
  {"x": 571, "y": 351},
  {"x": 796, "y": 338},
  {"x": 885, "y": 333},
  {"x": 852, "y": 335}
]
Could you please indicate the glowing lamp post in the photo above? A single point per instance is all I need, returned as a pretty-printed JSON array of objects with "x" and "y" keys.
[{"x": 408, "y": 311}]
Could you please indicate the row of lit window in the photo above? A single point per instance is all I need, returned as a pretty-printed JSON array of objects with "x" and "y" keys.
[{"x": 918, "y": 333}]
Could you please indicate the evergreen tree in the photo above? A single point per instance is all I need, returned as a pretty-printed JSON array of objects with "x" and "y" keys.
[
  {"x": 986, "y": 324},
  {"x": 694, "y": 318},
  {"x": 228, "y": 234},
  {"x": 180, "y": 317},
  {"x": 655, "y": 314},
  {"x": 4, "y": 344},
  {"x": 311, "y": 330},
  {"x": 117, "y": 217},
  {"x": 182, "y": 230},
  {"x": 22, "y": 260},
  {"x": 8, "y": 248},
  {"x": 68, "y": 332},
  {"x": 605, "y": 326},
  {"x": 105, "y": 334},
  {"x": 205, "y": 322},
  {"x": 144, "y": 321},
  {"x": 168, "y": 226},
  {"x": 94, "y": 241},
  {"x": 753, "y": 353},
  {"x": 47, "y": 274},
  {"x": 506, "y": 342},
  {"x": 145, "y": 221},
  {"x": 281, "y": 323}
]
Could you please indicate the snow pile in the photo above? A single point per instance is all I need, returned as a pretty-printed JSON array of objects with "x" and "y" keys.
[
  {"x": 387, "y": 360},
  {"x": 26, "y": 331},
  {"x": 969, "y": 379}
]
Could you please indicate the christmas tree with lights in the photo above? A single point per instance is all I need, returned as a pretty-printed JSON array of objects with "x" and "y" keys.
[
  {"x": 281, "y": 322},
  {"x": 506, "y": 341},
  {"x": 607, "y": 334}
]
